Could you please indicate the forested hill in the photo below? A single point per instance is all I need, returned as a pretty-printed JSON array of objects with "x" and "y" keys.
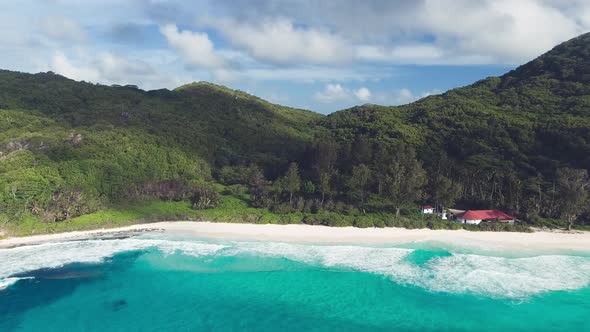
[
  {"x": 68, "y": 148},
  {"x": 519, "y": 142},
  {"x": 219, "y": 124},
  {"x": 502, "y": 139}
]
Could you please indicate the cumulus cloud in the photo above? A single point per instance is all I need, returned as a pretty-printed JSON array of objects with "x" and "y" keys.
[
  {"x": 404, "y": 96},
  {"x": 195, "y": 48},
  {"x": 511, "y": 31},
  {"x": 280, "y": 41},
  {"x": 334, "y": 93},
  {"x": 62, "y": 65},
  {"x": 311, "y": 74},
  {"x": 363, "y": 94},
  {"x": 421, "y": 54},
  {"x": 108, "y": 68},
  {"x": 62, "y": 29},
  {"x": 401, "y": 96},
  {"x": 450, "y": 31}
]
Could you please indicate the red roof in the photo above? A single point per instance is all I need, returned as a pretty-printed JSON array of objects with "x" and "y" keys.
[
  {"x": 427, "y": 207},
  {"x": 485, "y": 215}
]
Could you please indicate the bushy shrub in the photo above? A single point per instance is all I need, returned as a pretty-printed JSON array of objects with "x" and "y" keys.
[
  {"x": 67, "y": 204},
  {"x": 282, "y": 208},
  {"x": 251, "y": 218},
  {"x": 167, "y": 190},
  {"x": 327, "y": 219},
  {"x": 336, "y": 221},
  {"x": 339, "y": 207},
  {"x": 236, "y": 189},
  {"x": 309, "y": 187},
  {"x": 229, "y": 175},
  {"x": 308, "y": 206},
  {"x": 350, "y": 210},
  {"x": 363, "y": 222},
  {"x": 316, "y": 206},
  {"x": 329, "y": 205},
  {"x": 299, "y": 204},
  {"x": 205, "y": 197}
]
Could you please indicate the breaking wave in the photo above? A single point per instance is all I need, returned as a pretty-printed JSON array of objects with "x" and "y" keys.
[
  {"x": 5, "y": 282},
  {"x": 455, "y": 273},
  {"x": 19, "y": 260},
  {"x": 498, "y": 277}
]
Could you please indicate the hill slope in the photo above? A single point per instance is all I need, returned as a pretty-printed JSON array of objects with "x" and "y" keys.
[
  {"x": 219, "y": 124},
  {"x": 67, "y": 143},
  {"x": 520, "y": 142},
  {"x": 498, "y": 137}
]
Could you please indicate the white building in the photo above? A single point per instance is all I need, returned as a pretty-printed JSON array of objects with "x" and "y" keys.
[
  {"x": 427, "y": 209},
  {"x": 475, "y": 217}
]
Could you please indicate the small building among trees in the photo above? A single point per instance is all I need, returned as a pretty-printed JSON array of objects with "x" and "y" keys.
[
  {"x": 475, "y": 217},
  {"x": 427, "y": 209}
]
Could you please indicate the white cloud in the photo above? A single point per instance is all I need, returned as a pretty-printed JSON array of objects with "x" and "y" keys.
[
  {"x": 401, "y": 96},
  {"x": 196, "y": 49},
  {"x": 434, "y": 31},
  {"x": 107, "y": 68},
  {"x": 363, "y": 94},
  {"x": 408, "y": 53},
  {"x": 62, "y": 29},
  {"x": 334, "y": 93},
  {"x": 279, "y": 41},
  {"x": 404, "y": 96},
  {"x": 422, "y": 54},
  {"x": 511, "y": 31},
  {"x": 337, "y": 93},
  {"x": 62, "y": 65},
  {"x": 311, "y": 74}
]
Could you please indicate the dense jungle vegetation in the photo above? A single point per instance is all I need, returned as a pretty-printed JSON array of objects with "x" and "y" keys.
[{"x": 76, "y": 153}]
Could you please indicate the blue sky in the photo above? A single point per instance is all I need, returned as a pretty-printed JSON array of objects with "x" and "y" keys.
[{"x": 320, "y": 55}]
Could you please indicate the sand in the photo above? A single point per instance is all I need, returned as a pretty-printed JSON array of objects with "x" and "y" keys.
[{"x": 537, "y": 241}]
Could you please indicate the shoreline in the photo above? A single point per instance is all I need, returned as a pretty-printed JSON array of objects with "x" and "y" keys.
[{"x": 494, "y": 241}]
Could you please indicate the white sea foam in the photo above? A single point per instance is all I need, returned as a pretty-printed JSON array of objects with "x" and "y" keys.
[
  {"x": 5, "y": 282},
  {"x": 353, "y": 257},
  {"x": 458, "y": 273},
  {"x": 506, "y": 277},
  {"x": 52, "y": 255}
]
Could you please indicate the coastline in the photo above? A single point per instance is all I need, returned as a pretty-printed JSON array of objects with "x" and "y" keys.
[{"x": 495, "y": 241}]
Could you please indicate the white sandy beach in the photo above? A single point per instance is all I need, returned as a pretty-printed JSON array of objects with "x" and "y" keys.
[{"x": 544, "y": 241}]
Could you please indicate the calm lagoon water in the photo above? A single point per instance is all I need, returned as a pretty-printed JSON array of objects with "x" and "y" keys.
[{"x": 160, "y": 283}]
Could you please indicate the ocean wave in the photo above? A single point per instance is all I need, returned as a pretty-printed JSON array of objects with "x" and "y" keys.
[
  {"x": 506, "y": 277},
  {"x": 52, "y": 255},
  {"x": 6, "y": 282},
  {"x": 499, "y": 277}
]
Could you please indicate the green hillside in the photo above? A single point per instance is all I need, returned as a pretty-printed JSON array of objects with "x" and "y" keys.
[
  {"x": 219, "y": 124},
  {"x": 501, "y": 139},
  {"x": 519, "y": 142},
  {"x": 86, "y": 146}
]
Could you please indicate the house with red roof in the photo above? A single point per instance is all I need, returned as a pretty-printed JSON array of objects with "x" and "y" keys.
[
  {"x": 477, "y": 216},
  {"x": 427, "y": 209}
]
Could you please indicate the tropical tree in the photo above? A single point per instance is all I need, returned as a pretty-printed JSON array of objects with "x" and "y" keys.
[
  {"x": 359, "y": 181},
  {"x": 292, "y": 180},
  {"x": 405, "y": 178},
  {"x": 572, "y": 186},
  {"x": 325, "y": 186},
  {"x": 445, "y": 192}
]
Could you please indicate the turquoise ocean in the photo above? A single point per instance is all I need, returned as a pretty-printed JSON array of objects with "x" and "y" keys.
[{"x": 158, "y": 282}]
